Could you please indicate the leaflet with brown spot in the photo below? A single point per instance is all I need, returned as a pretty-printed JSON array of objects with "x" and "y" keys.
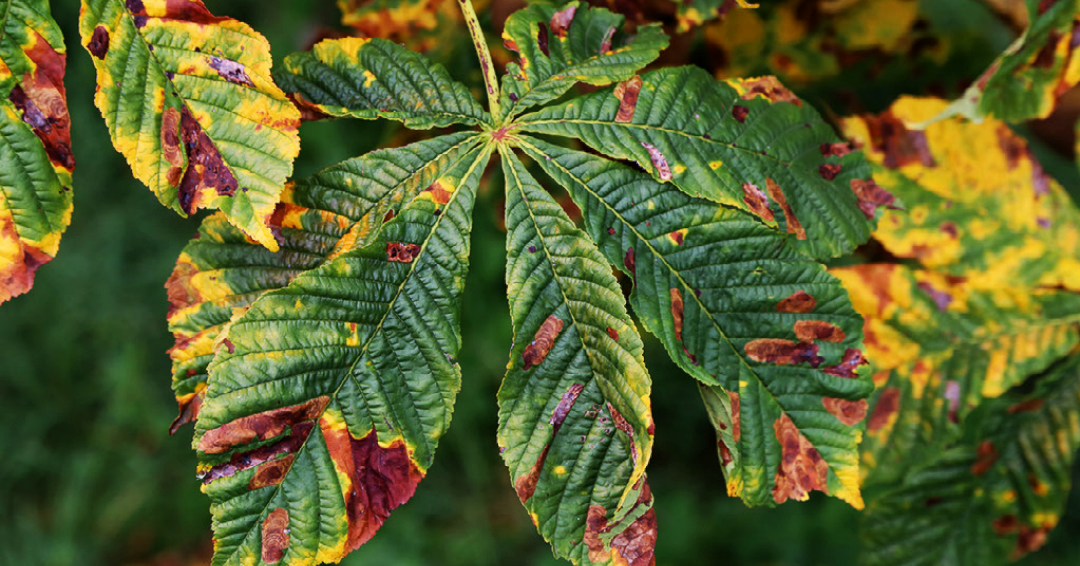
[
  {"x": 799, "y": 302},
  {"x": 627, "y": 93},
  {"x": 736, "y": 427},
  {"x": 658, "y": 161},
  {"x": 677, "y": 312},
  {"x": 848, "y": 412},
  {"x": 246, "y": 460},
  {"x": 802, "y": 469},
  {"x": 848, "y": 366},
  {"x": 783, "y": 352},
  {"x": 380, "y": 479},
  {"x": 793, "y": 225},
  {"x": 900, "y": 146},
  {"x": 871, "y": 196},
  {"x": 275, "y": 535},
  {"x": 170, "y": 145},
  {"x": 526, "y": 484},
  {"x": 439, "y": 192},
  {"x": 985, "y": 457},
  {"x": 542, "y": 342},
  {"x": 231, "y": 71},
  {"x": 838, "y": 149},
  {"x": 205, "y": 166},
  {"x": 634, "y": 546},
  {"x": 188, "y": 410},
  {"x": 808, "y": 330},
  {"x": 260, "y": 426},
  {"x": 560, "y": 22},
  {"x": 769, "y": 88},
  {"x": 620, "y": 424},
  {"x": 740, "y": 112},
  {"x": 271, "y": 473},
  {"x": 98, "y": 46},
  {"x": 757, "y": 201},
  {"x": 402, "y": 252},
  {"x": 628, "y": 261},
  {"x": 1030, "y": 540}
]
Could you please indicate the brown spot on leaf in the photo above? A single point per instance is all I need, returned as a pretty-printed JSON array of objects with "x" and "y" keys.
[
  {"x": 783, "y": 352},
  {"x": 542, "y": 39},
  {"x": 309, "y": 111},
  {"x": 271, "y": 473},
  {"x": 525, "y": 486},
  {"x": 439, "y": 193},
  {"x": 613, "y": 333},
  {"x": 793, "y": 224},
  {"x": 205, "y": 166},
  {"x": 42, "y": 101},
  {"x": 829, "y": 171},
  {"x": 740, "y": 112},
  {"x": 757, "y": 202},
  {"x": 565, "y": 403},
  {"x": 189, "y": 409},
  {"x": 99, "y": 42},
  {"x": 628, "y": 260},
  {"x": 402, "y": 252},
  {"x": 677, "y": 312},
  {"x": 605, "y": 44},
  {"x": 170, "y": 145},
  {"x": 1005, "y": 525},
  {"x": 381, "y": 478},
  {"x": 839, "y": 149},
  {"x": 1027, "y": 406},
  {"x": 560, "y": 22},
  {"x": 634, "y": 546},
  {"x": 1030, "y": 540},
  {"x": 658, "y": 161},
  {"x": 848, "y": 364},
  {"x": 985, "y": 457},
  {"x": 871, "y": 196},
  {"x": 850, "y": 413},
  {"x": 941, "y": 299},
  {"x": 887, "y": 406},
  {"x": 770, "y": 88},
  {"x": 802, "y": 469},
  {"x": 736, "y": 427},
  {"x": 542, "y": 342},
  {"x": 808, "y": 330},
  {"x": 950, "y": 229},
  {"x": 275, "y": 536},
  {"x": 231, "y": 71},
  {"x": 1012, "y": 146},
  {"x": 246, "y": 460},
  {"x": 260, "y": 426},
  {"x": 799, "y": 302},
  {"x": 900, "y": 146}
]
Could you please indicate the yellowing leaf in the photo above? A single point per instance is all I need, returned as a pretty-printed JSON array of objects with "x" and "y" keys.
[{"x": 190, "y": 103}]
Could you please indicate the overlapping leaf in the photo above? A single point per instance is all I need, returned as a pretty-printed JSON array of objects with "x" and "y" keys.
[
  {"x": 996, "y": 495},
  {"x": 693, "y": 13},
  {"x": 737, "y": 307},
  {"x": 376, "y": 78},
  {"x": 319, "y": 218},
  {"x": 940, "y": 347},
  {"x": 560, "y": 46},
  {"x": 1025, "y": 82},
  {"x": 575, "y": 426},
  {"x": 328, "y": 396},
  {"x": 420, "y": 24},
  {"x": 748, "y": 144},
  {"x": 35, "y": 143},
  {"x": 190, "y": 103},
  {"x": 979, "y": 206}
]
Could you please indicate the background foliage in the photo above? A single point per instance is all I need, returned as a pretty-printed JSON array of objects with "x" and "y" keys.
[{"x": 89, "y": 476}]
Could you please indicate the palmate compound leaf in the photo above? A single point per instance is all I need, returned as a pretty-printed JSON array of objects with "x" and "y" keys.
[
  {"x": 742, "y": 311},
  {"x": 327, "y": 398},
  {"x": 320, "y": 217},
  {"x": 940, "y": 347},
  {"x": 979, "y": 205},
  {"x": 35, "y": 143},
  {"x": 559, "y": 46},
  {"x": 376, "y": 78},
  {"x": 1025, "y": 82},
  {"x": 189, "y": 102},
  {"x": 996, "y": 494},
  {"x": 749, "y": 144},
  {"x": 575, "y": 426}
]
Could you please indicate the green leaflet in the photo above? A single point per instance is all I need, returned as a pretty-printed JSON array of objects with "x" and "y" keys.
[
  {"x": 1025, "y": 82},
  {"x": 558, "y": 46},
  {"x": 35, "y": 143},
  {"x": 329, "y": 213},
  {"x": 736, "y": 307},
  {"x": 992, "y": 498},
  {"x": 749, "y": 144},
  {"x": 376, "y": 78},
  {"x": 940, "y": 348},
  {"x": 575, "y": 426},
  {"x": 327, "y": 399},
  {"x": 190, "y": 104}
]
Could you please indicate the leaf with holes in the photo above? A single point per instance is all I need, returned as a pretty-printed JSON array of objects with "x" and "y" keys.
[
  {"x": 749, "y": 144},
  {"x": 558, "y": 47},
  {"x": 738, "y": 308},
  {"x": 327, "y": 397},
  {"x": 979, "y": 205},
  {"x": 376, "y": 78},
  {"x": 996, "y": 495},
  {"x": 575, "y": 426},
  {"x": 190, "y": 103},
  {"x": 319, "y": 218},
  {"x": 35, "y": 144}
]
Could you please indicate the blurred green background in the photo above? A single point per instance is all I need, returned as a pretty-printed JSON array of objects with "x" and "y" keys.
[{"x": 90, "y": 476}]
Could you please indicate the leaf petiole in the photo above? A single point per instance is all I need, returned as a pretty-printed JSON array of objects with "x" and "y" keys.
[{"x": 480, "y": 44}]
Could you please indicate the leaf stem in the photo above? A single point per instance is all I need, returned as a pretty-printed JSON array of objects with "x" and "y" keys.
[{"x": 480, "y": 43}]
